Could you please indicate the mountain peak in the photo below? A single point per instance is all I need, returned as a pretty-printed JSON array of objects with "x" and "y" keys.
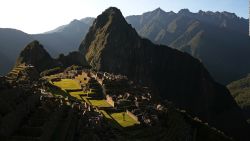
[
  {"x": 229, "y": 15},
  {"x": 113, "y": 12},
  {"x": 75, "y": 21},
  {"x": 159, "y": 9},
  {"x": 111, "y": 29},
  {"x": 34, "y": 44},
  {"x": 35, "y": 54},
  {"x": 184, "y": 11},
  {"x": 110, "y": 15}
]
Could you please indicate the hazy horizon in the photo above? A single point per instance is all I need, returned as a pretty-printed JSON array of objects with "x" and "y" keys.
[{"x": 43, "y": 15}]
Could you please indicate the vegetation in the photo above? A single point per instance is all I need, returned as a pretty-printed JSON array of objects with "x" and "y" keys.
[
  {"x": 100, "y": 103},
  {"x": 123, "y": 119},
  {"x": 67, "y": 84},
  {"x": 240, "y": 90},
  {"x": 70, "y": 84}
]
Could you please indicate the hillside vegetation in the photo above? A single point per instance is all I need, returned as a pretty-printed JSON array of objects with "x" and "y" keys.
[{"x": 240, "y": 90}]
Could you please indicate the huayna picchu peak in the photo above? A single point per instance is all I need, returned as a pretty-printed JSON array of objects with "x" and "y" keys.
[{"x": 112, "y": 45}]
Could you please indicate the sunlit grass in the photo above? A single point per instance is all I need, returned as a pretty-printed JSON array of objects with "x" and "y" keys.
[
  {"x": 70, "y": 84},
  {"x": 100, "y": 103},
  {"x": 126, "y": 122},
  {"x": 67, "y": 84}
]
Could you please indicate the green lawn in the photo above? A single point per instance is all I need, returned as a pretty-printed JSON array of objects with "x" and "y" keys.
[
  {"x": 124, "y": 123},
  {"x": 67, "y": 84},
  {"x": 70, "y": 84},
  {"x": 100, "y": 103}
]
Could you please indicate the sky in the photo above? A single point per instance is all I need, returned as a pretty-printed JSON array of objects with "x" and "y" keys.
[{"x": 38, "y": 16}]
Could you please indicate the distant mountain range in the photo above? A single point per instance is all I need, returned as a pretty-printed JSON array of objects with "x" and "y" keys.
[
  {"x": 12, "y": 42},
  {"x": 63, "y": 39},
  {"x": 219, "y": 39},
  {"x": 66, "y": 38},
  {"x": 113, "y": 45}
]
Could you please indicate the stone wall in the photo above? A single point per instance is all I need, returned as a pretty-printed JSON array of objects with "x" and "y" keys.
[
  {"x": 110, "y": 100},
  {"x": 132, "y": 116}
]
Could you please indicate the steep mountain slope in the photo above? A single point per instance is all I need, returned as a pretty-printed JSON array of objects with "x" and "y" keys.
[
  {"x": 66, "y": 38},
  {"x": 214, "y": 38},
  {"x": 34, "y": 54},
  {"x": 240, "y": 90},
  {"x": 11, "y": 43},
  {"x": 88, "y": 20},
  {"x": 73, "y": 58},
  {"x": 112, "y": 45}
]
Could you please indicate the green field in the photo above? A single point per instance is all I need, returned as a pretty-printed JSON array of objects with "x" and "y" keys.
[
  {"x": 100, "y": 103},
  {"x": 67, "y": 84},
  {"x": 124, "y": 123},
  {"x": 70, "y": 84}
]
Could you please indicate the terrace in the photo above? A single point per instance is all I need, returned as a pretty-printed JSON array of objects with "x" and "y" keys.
[{"x": 95, "y": 98}]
